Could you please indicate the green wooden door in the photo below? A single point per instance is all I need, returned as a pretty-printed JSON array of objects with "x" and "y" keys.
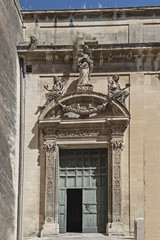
[
  {"x": 90, "y": 223},
  {"x": 85, "y": 169},
  {"x": 62, "y": 210},
  {"x": 94, "y": 210}
]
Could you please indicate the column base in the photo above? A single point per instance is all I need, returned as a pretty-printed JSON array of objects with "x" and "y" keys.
[
  {"x": 50, "y": 230},
  {"x": 115, "y": 229}
]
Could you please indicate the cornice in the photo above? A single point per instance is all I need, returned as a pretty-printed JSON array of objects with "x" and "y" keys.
[
  {"x": 104, "y": 52},
  {"x": 108, "y": 14}
]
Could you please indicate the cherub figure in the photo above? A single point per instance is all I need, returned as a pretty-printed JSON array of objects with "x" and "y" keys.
[{"x": 116, "y": 91}]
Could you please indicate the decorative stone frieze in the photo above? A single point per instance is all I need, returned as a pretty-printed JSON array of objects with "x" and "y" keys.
[{"x": 76, "y": 133}]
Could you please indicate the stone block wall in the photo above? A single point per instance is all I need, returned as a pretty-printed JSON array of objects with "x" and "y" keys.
[{"x": 10, "y": 34}]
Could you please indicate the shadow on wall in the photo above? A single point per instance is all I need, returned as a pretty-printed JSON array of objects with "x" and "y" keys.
[{"x": 7, "y": 195}]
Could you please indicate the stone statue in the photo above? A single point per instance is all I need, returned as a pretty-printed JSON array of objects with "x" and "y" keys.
[
  {"x": 54, "y": 92},
  {"x": 116, "y": 91},
  {"x": 58, "y": 86},
  {"x": 85, "y": 65}
]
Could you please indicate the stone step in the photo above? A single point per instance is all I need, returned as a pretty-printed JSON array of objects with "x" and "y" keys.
[{"x": 81, "y": 236}]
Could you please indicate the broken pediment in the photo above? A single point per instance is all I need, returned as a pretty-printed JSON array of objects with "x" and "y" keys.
[{"x": 84, "y": 106}]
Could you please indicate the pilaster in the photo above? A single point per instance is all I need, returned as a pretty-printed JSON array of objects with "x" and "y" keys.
[
  {"x": 116, "y": 226},
  {"x": 51, "y": 226}
]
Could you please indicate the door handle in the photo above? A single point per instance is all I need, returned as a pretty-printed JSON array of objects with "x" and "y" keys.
[{"x": 87, "y": 206}]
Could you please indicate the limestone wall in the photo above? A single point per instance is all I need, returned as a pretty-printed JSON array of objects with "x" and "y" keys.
[
  {"x": 56, "y": 32},
  {"x": 107, "y": 26},
  {"x": 10, "y": 34}
]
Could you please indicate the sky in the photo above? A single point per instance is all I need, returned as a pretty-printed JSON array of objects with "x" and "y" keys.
[{"x": 74, "y": 4}]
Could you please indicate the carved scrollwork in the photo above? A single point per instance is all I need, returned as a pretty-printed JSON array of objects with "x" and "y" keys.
[{"x": 88, "y": 88}]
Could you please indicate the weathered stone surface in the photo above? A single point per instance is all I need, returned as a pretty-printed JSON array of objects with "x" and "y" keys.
[{"x": 10, "y": 34}]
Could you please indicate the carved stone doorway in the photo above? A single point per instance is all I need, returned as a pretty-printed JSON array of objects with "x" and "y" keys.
[{"x": 63, "y": 126}]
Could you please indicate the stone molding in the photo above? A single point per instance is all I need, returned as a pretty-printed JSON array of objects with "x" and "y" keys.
[{"x": 76, "y": 133}]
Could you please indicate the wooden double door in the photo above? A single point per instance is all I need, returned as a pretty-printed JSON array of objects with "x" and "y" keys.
[{"x": 83, "y": 190}]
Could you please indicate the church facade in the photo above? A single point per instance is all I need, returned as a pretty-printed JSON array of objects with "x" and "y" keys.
[
  {"x": 90, "y": 80},
  {"x": 89, "y": 152}
]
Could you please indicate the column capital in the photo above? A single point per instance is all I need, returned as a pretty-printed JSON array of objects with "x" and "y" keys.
[
  {"x": 49, "y": 145},
  {"x": 117, "y": 143}
]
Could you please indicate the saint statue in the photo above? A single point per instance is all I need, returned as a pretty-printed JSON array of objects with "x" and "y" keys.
[
  {"x": 85, "y": 65},
  {"x": 116, "y": 91}
]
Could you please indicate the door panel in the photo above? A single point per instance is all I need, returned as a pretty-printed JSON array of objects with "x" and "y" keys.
[
  {"x": 90, "y": 210},
  {"x": 62, "y": 210},
  {"x": 85, "y": 169}
]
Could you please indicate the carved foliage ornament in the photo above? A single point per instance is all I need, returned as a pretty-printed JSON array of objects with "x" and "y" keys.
[
  {"x": 49, "y": 146},
  {"x": 117, "y": 144}
]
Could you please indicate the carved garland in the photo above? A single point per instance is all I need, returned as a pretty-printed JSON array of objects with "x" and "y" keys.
[{"x": 84, "y": 110}]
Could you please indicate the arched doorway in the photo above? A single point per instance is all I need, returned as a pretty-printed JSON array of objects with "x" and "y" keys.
[{"x": 89, "y": 127}]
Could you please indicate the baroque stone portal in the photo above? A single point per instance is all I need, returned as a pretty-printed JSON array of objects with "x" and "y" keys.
[{"x": 101, "y": 121}]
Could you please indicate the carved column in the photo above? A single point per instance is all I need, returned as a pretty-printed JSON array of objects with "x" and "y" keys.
[
  {"x": 116, "y": 227},
  {"x": 51, "y": 226}
]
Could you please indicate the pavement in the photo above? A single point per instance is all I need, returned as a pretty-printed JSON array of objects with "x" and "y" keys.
[{"x": 80, "y": 236}]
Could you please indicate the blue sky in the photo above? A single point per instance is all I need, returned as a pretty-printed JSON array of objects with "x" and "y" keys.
[{"x": 71, "y": 4}]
